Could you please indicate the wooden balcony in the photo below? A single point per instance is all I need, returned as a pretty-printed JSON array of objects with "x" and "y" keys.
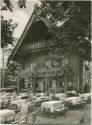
[
  {"x": 41, "y": 72},
  {"x": 37, "y": 45}
]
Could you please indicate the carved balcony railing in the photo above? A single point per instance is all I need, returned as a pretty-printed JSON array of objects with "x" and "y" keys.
[
  {"x": 38, "y": 45},
  {"x": 41, "y": 72}
]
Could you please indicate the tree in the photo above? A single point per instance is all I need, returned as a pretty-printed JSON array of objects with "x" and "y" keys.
[
  {"x": 7, "y": 30},
  {"x": 13, "y": 69},
  {"x": 22, "y": 3},
  {"x": 7, "y": 4},
  {"x": 7, "y": 27},
  {"x": 75, "y": 32},
  {"x": 71, "y": 28}
]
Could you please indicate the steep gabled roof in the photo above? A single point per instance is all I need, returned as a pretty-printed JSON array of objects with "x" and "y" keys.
[{"x": 32, "y": 18}]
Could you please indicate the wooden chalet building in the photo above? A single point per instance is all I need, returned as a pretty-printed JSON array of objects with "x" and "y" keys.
[{"x": 41, "y": 72}]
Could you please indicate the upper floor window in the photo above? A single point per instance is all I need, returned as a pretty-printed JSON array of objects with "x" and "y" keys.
[
  {"x": 33, "y": 65},
  {"x": 56, "y": 63},
  {"x": 48, "y": 63}
]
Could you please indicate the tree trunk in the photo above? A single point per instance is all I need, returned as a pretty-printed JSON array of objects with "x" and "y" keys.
[
  {"x": 33, "y": 84},
  {"x": 3, "y": 67},
  {"x": 18, "y": 86},
  {"x": 81, "y": 75},
  {"x": 65, "y": 84},
  {"x": 46, "y": 82}
]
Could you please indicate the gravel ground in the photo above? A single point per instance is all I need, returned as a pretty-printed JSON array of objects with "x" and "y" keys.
[{"x": 72, "y": 116}]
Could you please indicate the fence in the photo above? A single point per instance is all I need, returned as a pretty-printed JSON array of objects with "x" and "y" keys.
[
  {"x": 30, "y": 118},
  {"x": 21, "y": 117}
]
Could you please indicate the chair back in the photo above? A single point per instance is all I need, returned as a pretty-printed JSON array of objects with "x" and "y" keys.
[
  {"x": 10, "y": 118},
  {"x": 17, "y": 116}
]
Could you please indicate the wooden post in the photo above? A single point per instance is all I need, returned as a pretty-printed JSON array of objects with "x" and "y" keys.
[
  {"x": 34, "y": 119},
  {"x": 26, "y": 120},
  {"x": 65, "y": 84},
  {"x": 46, "y": 82},
  {"x": 78, "y": 83},
  {"x": 33, "y": 84},
  {"x": 18, "y": 84},
  {"x": 3, "y": 74},
  {"x": 81, "y": 76}
]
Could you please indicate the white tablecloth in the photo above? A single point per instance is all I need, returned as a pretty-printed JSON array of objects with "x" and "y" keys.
[
  {"x": 52, "y": 105},
  {"x": 4, "y": 113},
  {"x": 18, "y": 102},
  {"x": 61, "y": 96},
  {"x": 74, "y": 100},
  {"x": 19, "y": 97},
  {"x": 73, "y": 92},
  {"x": 21, "y": 102},
  {"x": 22, "y": 94},
  {"x": 85, "y": 96}
]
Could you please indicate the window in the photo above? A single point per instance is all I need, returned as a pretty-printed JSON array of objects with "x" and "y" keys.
[
  {"x": 41, "y": 62},
  {"x": 28, "y": 85},
  {"x": 33, "y": 65},
  {"x": 64, "y": 61},
  {"x": 50, "y": 84},
  {"x": 48, "y": 63},
  {"x": 55, "y": 63}
]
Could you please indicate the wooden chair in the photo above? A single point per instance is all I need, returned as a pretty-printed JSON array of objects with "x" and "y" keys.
[
  {"x": 23, "y": 113},
  {"x": 17, "y": 116},
  {"x": 10, "y": 119}
]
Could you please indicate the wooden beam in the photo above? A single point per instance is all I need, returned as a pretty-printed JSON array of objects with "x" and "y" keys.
[
  {"x": 65, "y": 84},
  {"x": 33, "y": 84},
  {"x": 18, "y": 82},
  {"x": 46, "y": 83}
]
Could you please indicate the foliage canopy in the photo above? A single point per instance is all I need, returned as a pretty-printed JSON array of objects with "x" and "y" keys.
[{"x": 71, "y": 25}]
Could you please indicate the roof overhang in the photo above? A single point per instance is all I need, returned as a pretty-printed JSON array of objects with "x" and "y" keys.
[{"x": 32, "y": 18}]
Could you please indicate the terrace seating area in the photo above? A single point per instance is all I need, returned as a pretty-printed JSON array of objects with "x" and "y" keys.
[{"x": 15, "y": 107}]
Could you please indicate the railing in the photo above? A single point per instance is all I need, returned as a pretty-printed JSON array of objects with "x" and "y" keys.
[
  {"x": 39, "y": 44},
  {"x": 14, "y": 117},
  {"x": 56, "y": 71},
  {"x": 25, "y": 119}
]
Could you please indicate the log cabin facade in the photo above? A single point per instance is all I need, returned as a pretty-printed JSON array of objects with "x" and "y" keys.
[{"x": 41, "y": 71}]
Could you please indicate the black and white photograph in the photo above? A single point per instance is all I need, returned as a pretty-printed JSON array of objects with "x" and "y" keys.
[{"x": 45, "y": 62}]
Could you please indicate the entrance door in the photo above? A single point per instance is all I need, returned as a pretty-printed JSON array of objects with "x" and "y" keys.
[
  {"x": 21, "y": 84},
  {"x": 41, "y": 85},
  {"x": 53, "y": 83}
]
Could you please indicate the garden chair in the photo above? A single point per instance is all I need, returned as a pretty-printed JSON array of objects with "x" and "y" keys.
[
  {"x": 17, "y": 116},
  {"x": 9, "y": 119}
]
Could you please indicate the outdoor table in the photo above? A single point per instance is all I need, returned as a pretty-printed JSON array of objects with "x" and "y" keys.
[
  {"x": 22, "y": 97},
  {"x": 21, "y": 102},
  {"x": 71, "y": 93},
  {"x": 85, "y": 96},
  {"x": 25, "y": 97},
  {"x": 4, "y": 100},
  {"x": 61, "y": 96},
  {"x": 22, "y": 94},
  {"x": 18, "y": 102},
  {"x": 18, "y": 97},
  {"x": 74, "y": 100},
  {"x": 13, "y": 97},
  {"x": 5, "y": 113},
  {"x": 5, "y": 97},
  {"x": 53, "y": 105}
]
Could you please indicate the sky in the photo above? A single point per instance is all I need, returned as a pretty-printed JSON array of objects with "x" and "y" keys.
[{"x": 20, "y": 16}]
